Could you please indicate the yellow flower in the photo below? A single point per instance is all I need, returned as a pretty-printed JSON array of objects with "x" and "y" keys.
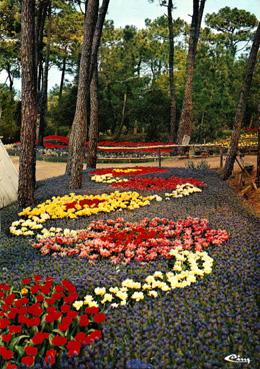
[
  {"x": 78, "y": 304},
  {"x": 24, "y": 291},
  {"x": 137, "y": 296},
  {"x": 100, "y": 291}
]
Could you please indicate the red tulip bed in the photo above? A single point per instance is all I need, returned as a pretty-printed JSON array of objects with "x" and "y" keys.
[
  {"x": 157, "y": 184},
  {"x": 40, "y": 322},
  {"x": 123, "y": 241}
]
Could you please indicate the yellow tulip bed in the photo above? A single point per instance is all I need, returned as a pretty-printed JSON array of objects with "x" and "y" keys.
[
  {"x": 73, "y": 206},
  {"x": 188, "y": 267},
  {"x": 246, "y": 140}
]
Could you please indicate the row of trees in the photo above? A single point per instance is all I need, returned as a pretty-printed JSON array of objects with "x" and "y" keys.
[{"x": 144, "y": 66}]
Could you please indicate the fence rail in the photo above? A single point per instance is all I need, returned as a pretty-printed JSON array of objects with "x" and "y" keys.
[{"x": 221, "y": 149}]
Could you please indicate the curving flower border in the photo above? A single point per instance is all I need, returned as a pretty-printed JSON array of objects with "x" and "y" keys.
[
  {"x": 72, "y": 206},
  {"x": 123, "y": 241},
  {"x": 188, "y": 267}
]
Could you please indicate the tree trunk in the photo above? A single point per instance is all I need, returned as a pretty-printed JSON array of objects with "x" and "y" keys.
[
  {"x": 241, "y": 106},
  {"x": 29, "y": 105},
  {"x": 185, "y": 125},
  {"x": 93, "y": 127},
  {"x": 79, "y": 126},
  {"x": 173, "y": 122},
  {"x": 44, "y": 92},
  {"x": 93, "y": 65},
  {"x": 63, "y": 71},
  {"x": 9, "y": 74},
  {"x": 41, "y": 14}
]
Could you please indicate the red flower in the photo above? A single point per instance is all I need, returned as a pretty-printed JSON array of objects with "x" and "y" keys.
[
  {"x": 10, "y": 298},
  {"x": 26, "y": 280},
  {"x": 12, "y": 313},
  {"x": 99, "y": 318},
  {"x": 39, "y": 298},
  {"x": 45, "y": 289},
  {"x": 35, "y": 288},
  {"x": 21, "y": 302},
  {"x": 35, "y": 309},
  {"x": 37, "y": 278},
  {"x": 15, "y": 329},
  {"x": 72, "y": 314},
  {"x": 4, "y": 322},
  {"x": 50, "y": 301},
  {"x": 28, "y": 360},
  {"x": 69, "y": 286},
  {"x": 73, "y": 348},
  {"x": 71, "y": 298},
  {"x": 39, "y": 337},
  {"x": 33, "y": 322},
  {"x": 51, "y": 317},
  {"x": 84, "y": 321},
  {"x": 65, "y": 323},
  {"x": 6, "y": 337},
  {"x": 92, "y": 310},
  {"x": 59, "y": 288},
  {"x": 11, "y": 366},
  {"x": 81, "y": 337},
  {"x": 65, "y": 308},
  {"x": 97, "y": 334},
  {"x": 50, "y": 357},
  {"x": 4, "y": 287},
  {"x": 6, "y": 353},
  {"x": 31, "y": 351},
  {"x": 5, "y": 307},
  {"x": 59, "y": 340}
]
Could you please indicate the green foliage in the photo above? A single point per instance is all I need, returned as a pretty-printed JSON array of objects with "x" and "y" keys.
[
  {"x": 232, "y": 26},
  {"x": 133, "y": 70},
  {"x": 9, "y": 115},
  {"x": 61, "y": 114}
]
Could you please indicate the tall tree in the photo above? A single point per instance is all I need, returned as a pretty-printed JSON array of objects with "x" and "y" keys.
[
  {"x": 232, "y": 26},
  {"x": 44, "y": 85},
  {"x": 93, "y": 123},
  {"x": 241, "y": 106},
  {"x": 173, "y": 118},
  {"x": 185, "y": 125},
  {"x": 29, "y": 105},
  {"x": 80, "y": 122}
]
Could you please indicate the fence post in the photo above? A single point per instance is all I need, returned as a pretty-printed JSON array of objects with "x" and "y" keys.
[
  {"x": 258, "y": 161},
  {"x": 159, "y": 158},
  {"x": 221, "y": 157}
]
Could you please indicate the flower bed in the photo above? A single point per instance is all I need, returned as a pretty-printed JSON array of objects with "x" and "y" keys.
[
  {"x": 187, "y": 268},
  {"x": 112, "y": 175},
  {"x": 157, "y": 184},
  {"x": 73, "y": 206},
  {"x": 152, "y": 320},
  {"x": 128, "y": 171},
  {"x": 39, "y": 323},
  {"x": 123, "y": 241}
]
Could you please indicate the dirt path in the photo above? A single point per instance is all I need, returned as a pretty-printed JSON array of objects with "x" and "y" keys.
[{"x": 46, "y": 169}]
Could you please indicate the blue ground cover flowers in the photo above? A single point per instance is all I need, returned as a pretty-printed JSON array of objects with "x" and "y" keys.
[{"x": 194, "y": 327}]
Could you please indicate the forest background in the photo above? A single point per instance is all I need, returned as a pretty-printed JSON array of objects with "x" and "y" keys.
[{"x": 133, "y": 65}]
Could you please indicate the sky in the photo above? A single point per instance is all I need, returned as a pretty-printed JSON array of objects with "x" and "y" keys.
[{"x": 134, "y": 12}]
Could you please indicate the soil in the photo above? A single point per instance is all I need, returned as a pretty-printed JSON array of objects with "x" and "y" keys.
[{"x": 250, "y": 199}]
